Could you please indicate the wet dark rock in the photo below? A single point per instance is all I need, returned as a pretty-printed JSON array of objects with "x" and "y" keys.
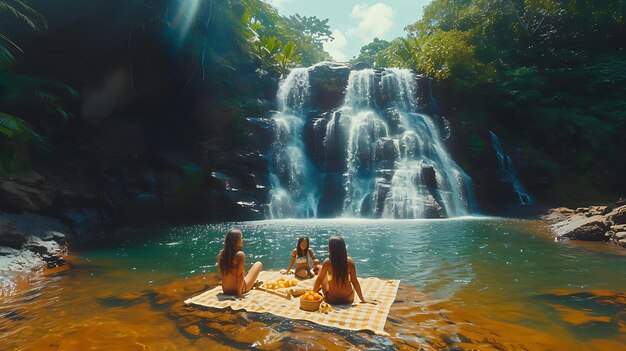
[
  {"x": 85, "y": 222},
  {"x": 328, "y": 82},
  {"x": 429, "y": 177},
  {"x": 15, "y": 197},
  {"x": 386, "y": 153},
  {"x": 314, "y": 136},
  {"x": 333, "y": 193},
  {"x": 393, "y": 121},
  {"x": 10, "y": 236},
  {"x": 361, "y": 65},
  {"x": 433, "y": 208},
  {"x": 30, "y": 178},
  {"x": 35, "y": 241},
  {"x": 71, "y": 198},
  {"x": 617, "y": 216},
  {"x": 259, "y": 133}
]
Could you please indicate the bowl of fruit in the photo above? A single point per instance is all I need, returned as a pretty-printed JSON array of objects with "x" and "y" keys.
[{"x": 310, "y": 301}]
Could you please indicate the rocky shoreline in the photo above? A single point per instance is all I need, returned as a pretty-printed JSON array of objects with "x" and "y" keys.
[
  {"x": 31, "y": 242},
  {"x": 593, "y": 223}
]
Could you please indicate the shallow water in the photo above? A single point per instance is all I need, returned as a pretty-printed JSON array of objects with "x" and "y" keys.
[{"x": 503, "y": 270}]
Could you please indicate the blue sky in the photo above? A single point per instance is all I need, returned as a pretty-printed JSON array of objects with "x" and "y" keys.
[{"x": 356, "y": 23}]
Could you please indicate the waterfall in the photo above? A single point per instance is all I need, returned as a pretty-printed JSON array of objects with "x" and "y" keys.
[
  {"x": 293, "y": 191},
  {"x": 505, "y": 164},
  {"x": 374, "y": 156}
]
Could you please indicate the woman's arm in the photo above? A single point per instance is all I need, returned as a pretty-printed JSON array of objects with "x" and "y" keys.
[
  {"x": 312, "y": 254},
  {"x": 355, "y": 281},
  {"x": 321, "y": 275},
  {"x": 293, "y": 259},
  {"x": 240, "y": 257}
]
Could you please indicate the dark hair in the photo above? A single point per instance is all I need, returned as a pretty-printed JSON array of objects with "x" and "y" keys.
[
  {"x": 226, "y": 256},
  {"x": 305, "y": 251},
  {"x": 338, "y": 256}
]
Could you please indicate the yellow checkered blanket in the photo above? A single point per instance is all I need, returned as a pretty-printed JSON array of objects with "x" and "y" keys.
[{"x": 352, "y": 317}]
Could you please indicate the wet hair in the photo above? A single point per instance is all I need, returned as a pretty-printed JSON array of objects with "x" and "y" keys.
[
  {"x": 226, "y": 256},
  {"x": 338, "y": 256},
  {"x": 301, "y": 252}
]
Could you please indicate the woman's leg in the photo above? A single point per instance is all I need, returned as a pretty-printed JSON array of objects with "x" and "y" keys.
[
  {"x": 302, "y": 273},
  {"x": 253, "y": 273}
]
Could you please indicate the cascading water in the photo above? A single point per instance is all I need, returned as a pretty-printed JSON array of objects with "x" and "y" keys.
[
  {"x": 375, "y": 156},
  {"x": 505, "y": 164},
  {"x": 397, "y": 165},
  {"x": 293, "y": 192}
]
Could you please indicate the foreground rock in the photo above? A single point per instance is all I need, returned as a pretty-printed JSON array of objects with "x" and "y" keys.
[
  {"x": 29, "y": 242},
  {"x": 594, "y": 223}
]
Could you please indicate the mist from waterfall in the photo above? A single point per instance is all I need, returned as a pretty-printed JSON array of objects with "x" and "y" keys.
[{"x": 375, "y": 156}]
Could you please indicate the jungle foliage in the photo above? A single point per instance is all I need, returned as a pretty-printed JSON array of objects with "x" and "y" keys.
[
  {"x": 176, "y": 72},
  {"x": 549, "y": 76}
]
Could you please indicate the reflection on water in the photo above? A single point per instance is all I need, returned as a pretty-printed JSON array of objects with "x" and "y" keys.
[{"x": 506, "y": 270}]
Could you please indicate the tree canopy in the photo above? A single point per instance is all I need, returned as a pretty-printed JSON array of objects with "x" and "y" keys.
[{"x": 546, "y": 74}]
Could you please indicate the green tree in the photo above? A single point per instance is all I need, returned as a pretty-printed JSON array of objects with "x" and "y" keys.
[
  {"x": 370, "y": 51},
  {"x": 547, "y": 73},
  {"x": 20, "y": 10}
]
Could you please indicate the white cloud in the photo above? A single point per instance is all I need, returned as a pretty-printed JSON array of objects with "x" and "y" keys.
[
  {"x": 334, "y": 47},
  {"x": 375, "y": 21}
]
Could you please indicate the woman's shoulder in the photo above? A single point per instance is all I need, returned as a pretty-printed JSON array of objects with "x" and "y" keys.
[
  {"x": 240, "y": 254},
  {"x": 350, "y": 261},
  {"x": 294, "y": 252}
]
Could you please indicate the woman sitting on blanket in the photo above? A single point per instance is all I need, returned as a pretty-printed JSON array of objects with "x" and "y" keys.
[
  {"x": 300, "y": 256},
  {"x": 338, "y": 275},
  {"x": 231, "y": 261}
]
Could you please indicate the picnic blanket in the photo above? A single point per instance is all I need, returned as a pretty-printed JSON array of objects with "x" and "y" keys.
[{"x": 352, "y": 317}]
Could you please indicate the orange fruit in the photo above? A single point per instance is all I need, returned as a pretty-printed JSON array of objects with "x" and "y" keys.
[
  {"x": 310, "y": 297},
  {"x": 317, "y": 296}
]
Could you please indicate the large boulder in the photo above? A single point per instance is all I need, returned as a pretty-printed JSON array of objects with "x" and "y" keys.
[
  {"x": 328, "y": 83},
  {"x": 617, "y": 215},
  {"x": 15, "y": 197},
  {"x": 10, "y": 236},
  {"x": 581, "y": 227},
  {"x": 30, "y": 241}
]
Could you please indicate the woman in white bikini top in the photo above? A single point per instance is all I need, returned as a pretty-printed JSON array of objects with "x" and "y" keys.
[{"x": 300, "y": 256}]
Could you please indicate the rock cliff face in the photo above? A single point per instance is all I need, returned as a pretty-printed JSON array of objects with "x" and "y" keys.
[{"x": 595, "y": 223}]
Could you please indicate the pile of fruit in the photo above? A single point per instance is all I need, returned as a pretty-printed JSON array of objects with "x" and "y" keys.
[
  {"x": 281, "y": 283},
  {"x": 311, "y": 296}
]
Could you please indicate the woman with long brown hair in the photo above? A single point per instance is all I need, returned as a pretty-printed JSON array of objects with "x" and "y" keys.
[
  {"x": 300, "y": 256},
  {"x": 231, "y": 261},
  {"x": 337, "y": 278}
]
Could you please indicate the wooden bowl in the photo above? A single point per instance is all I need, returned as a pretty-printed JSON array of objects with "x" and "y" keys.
[{"x": 310, "y": 306}]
